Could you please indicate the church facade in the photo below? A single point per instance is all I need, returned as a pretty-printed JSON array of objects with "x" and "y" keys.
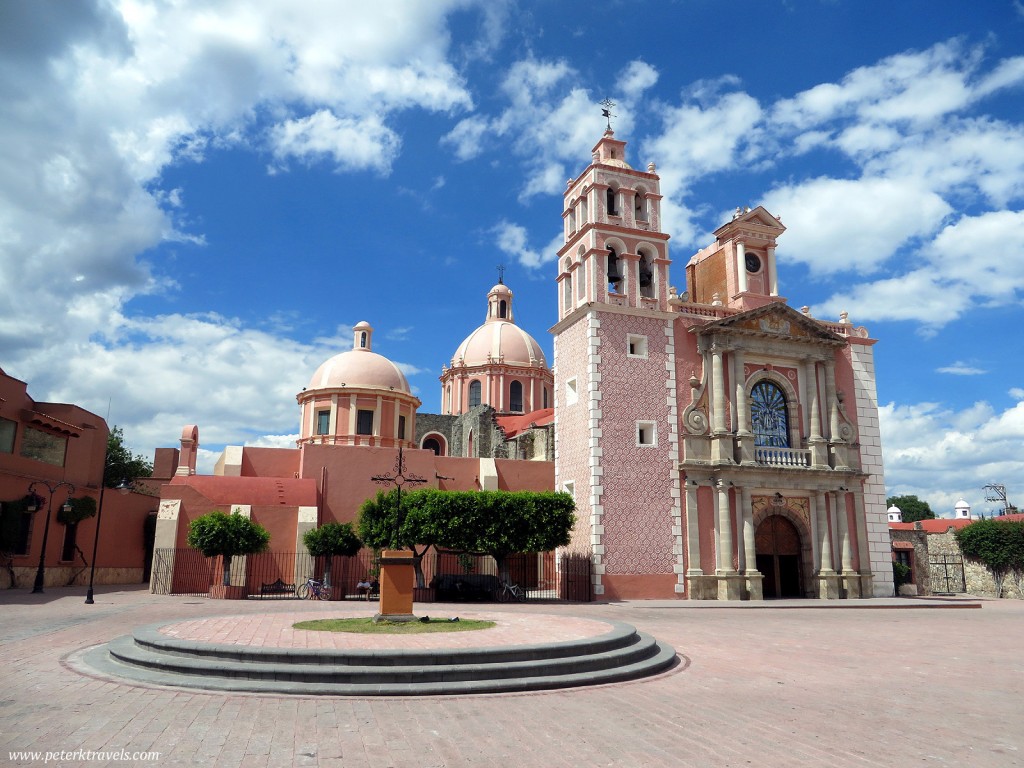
[{"x": 719, "y": 444}]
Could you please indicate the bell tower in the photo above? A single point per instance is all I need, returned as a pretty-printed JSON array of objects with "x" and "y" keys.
[{"x": 616, "y": 433}]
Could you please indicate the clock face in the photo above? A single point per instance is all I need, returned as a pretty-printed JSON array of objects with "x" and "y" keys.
[{"x": 753, "y": 263}]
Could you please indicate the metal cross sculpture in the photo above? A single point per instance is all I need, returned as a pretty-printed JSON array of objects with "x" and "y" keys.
[
  {"x": 607, "y": 111},
  {"x": 501, "y": 274},
  {"x": 398, "y": 479}
]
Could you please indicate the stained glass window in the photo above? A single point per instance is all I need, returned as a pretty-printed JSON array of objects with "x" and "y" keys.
[{"x": 770, "y": 415}]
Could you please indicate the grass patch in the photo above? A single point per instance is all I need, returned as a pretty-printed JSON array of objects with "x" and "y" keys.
[{"x": 366, "y": 626}]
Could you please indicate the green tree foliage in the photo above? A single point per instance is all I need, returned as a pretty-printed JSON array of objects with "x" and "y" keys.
[
  {"x": 218, "y": 533},
  {"x": 913, "y": 508},
  {"x": 900, "y": 575},
  {"x": 379, "y": 529},
  {"x": 81, "y": 508},
  {"x": 495, "y": 523},
  {"x": 122, "y": 465},
  {"x": 330, "y": 540},
  {"x": 999, "y": 544}
]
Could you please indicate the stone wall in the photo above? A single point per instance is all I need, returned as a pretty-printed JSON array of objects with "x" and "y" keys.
[
  {"x": 921, "y": 574},
  {"x": 977, "y": 576}
]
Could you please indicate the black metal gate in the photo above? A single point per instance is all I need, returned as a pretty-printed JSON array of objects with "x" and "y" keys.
[
  {"x": 575, "y": 575},
  {"x": 946, "y": 573}
]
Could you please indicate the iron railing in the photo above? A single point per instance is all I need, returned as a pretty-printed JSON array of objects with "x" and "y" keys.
[{"x": 440, "y": 576}]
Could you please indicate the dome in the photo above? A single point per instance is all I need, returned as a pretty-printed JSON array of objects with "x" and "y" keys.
[
  {"x": 360, "y": 367},
  {"x": 499, "y": 340}
]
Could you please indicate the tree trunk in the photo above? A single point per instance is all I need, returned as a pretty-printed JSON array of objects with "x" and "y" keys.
[{"x": 503, "y": 573}]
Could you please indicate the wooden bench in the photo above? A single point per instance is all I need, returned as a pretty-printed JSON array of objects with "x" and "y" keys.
[{"x": 277, "y": 588}]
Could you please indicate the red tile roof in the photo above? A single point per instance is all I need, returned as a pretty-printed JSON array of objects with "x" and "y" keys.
[
  {"x": 513, "y": 425},
  {"x": 943, "y": 524}
]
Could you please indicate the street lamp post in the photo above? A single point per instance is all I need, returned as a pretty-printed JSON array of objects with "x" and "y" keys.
[
  {"x": 123, "y": 488},
  {"x": 41, "y": 571}
]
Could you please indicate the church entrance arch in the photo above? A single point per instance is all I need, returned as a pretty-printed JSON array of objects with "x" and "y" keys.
[{"x": 778, "y": 548}]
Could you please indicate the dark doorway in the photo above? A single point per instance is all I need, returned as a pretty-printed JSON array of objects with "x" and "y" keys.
[{"x": 778, "y": 557}]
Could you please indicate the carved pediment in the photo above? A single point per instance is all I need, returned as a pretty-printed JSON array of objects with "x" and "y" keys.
[{"x": 774, "y": 320}]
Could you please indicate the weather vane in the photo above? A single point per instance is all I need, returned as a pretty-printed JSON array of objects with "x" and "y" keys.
[
  {"x": 607, "y": 111},
  {"x": 501, "y": 274}
]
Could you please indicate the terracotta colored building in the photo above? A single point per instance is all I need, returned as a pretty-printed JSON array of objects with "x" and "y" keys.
[
  {"x": 48, "y": 444},
  {"x": 719, "y": 444}
]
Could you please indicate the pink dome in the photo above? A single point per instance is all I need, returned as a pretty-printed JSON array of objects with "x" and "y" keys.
[
  {"x": 360, "y": 367},
  {"x": 499, "y": 340}
]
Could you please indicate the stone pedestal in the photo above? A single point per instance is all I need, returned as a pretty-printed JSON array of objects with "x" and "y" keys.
[
  {"x": 754, "y": 581},
  {"x": 851, "y": 585},
  {"x": 397, "y": 581},
  {"x": 730, "y": 585},
  {"x": 701, "y": 587},
  {"x": 828, "y": 585}
]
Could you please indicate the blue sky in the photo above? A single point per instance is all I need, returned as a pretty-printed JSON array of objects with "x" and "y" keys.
[{"x": 198, "y": 200}]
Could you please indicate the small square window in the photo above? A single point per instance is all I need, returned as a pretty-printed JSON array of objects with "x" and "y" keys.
[
  {"x": 570, "y": 488},
  {"x": 570, "y": 391},
  {"x": 646, "y": 433},
  {"x": 636, "y": 345}
]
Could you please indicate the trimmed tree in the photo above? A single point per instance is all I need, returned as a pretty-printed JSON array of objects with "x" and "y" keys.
[
  {"x": 999, "y": 544},
  {"x": 378, "y": 527},
  {"x": 913, "y": 508},
  {"x": 330, "y": 540},
  {"x": 218, "y": 533},
  {"x": 501, "y": 523}
]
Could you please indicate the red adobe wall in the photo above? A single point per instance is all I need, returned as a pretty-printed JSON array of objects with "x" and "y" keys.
[
  {"x": 525, "y": 475},
  {"x": 270, "y": 462}
]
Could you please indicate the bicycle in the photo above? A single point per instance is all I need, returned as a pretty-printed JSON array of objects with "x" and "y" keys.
[
  {"x": 510, "y": 592},
  {"x": 313, "y": 590}
]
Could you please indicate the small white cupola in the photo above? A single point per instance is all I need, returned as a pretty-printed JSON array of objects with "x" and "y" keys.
[
  {"x": 362, "y": 337},
  {"x": 895, "y": 514},
  {"x": 962, "y": 511},
  {"x": 499, "y": 304}
]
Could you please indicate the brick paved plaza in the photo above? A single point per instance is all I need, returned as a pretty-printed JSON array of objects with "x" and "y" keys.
[{"x": 777, "y": 684}]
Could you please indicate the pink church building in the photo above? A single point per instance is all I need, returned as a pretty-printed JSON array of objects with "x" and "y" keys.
[{"x": 719, "y": 444}]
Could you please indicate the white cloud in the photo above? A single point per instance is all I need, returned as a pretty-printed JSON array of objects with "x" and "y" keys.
[
  {"x": 839, "y": 225},
  {"x": 636, "y": 78},
  {"x": 960, "y": 368},
  {"x": 352, "y": 144},
  {"x": 942, "y": 455}
]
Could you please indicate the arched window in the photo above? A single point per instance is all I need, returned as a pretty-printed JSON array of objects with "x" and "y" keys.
[
  {"x": 362, "y": 340},
  {"x": 614, "y": 275},
  {"x": 430, "y": 444},
  {"x": 769, "y": 415},
  {"x": 640, "y": 204},
  {"x": 503, "y": 309},
  {"x": 474, "y": 393},
  {"x": 545, "y": 396},
  {"x": 610, "y": 195},
  {"x": 646, "y": 276},
  {"x": 515, "y": 396}
]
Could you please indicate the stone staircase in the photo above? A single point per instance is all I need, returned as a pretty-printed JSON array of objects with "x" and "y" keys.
[{"x": 151, "y": 657}]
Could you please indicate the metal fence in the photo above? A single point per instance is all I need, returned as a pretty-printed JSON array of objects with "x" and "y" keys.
[
  {"x": 946, "y": 573},
  {"x": 440, "y": 576}
]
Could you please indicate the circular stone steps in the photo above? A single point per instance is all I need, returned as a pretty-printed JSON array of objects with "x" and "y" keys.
[{"x": 151, "y": 657}]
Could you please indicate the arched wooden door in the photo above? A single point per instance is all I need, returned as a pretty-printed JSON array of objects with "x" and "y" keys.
[{"x": 777, "y": 543}]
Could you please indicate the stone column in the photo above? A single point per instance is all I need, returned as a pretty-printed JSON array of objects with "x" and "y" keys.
[
  {"x": 828, "y": 581},
  {"x": 819, "y": 449},
  {"x": 753, "y": 577},
  {"x": 729, "y": 582},
  {"x": 861, "y": 532},
  {"x": 773, "y": 275},
  {"x": 695, "y": 579},
  {"x": 744, "y": 437},
  {"x": 721, "y": 450},
  {"x": 741, "y": 266},
  {"x": 850, "y": 577}
]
